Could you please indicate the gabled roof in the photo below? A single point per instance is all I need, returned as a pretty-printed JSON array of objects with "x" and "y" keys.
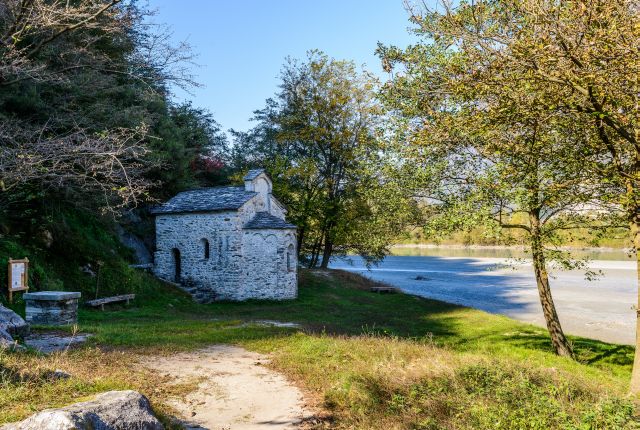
[
  {"x": 206, "y": 200},
  {"x": 267, "y": 221},
  {"x": 252, "y": 174}
]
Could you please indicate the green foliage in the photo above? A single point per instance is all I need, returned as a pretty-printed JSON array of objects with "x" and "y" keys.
[
  {"x": 503, "y": 159},
  {"x": 95, "y": 128},
  {"x": 188, "y": 149},
  {"x": 500, "y": 161},
  {"x": 83, "y": 255},
  {"x": 320, "y": 142},
  {"x": 481, "y": 235},
  {"x": 91, "y": 108}
]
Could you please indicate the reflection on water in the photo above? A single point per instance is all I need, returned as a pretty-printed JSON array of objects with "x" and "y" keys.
[{"x": 445, "y": 251}]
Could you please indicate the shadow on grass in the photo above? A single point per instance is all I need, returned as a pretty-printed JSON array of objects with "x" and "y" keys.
[
  {"x": 334, "y": 303},
  {"x": 495, "y": 292}
]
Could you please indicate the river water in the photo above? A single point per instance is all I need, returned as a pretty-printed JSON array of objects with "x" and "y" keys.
[{"x": 501, "y": 281}]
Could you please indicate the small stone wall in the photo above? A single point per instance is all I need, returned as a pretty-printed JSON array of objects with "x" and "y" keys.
[{"x": 52, "y": 307}]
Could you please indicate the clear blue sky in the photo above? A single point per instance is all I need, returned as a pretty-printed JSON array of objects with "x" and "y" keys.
[{"x": 242, "y": 44}]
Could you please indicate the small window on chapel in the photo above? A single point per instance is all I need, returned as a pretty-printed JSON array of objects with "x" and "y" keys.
[
  {"x": 290, "y": 265},
  {"x": 205, "y": 247}
]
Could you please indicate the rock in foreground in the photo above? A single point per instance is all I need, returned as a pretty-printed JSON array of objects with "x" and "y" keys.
[
  {"x": 12, "y": 323},
  {"x": 5, "y": 338},
  {"x": 47, "y": 343},
  {"x": 113, "y": 410}
]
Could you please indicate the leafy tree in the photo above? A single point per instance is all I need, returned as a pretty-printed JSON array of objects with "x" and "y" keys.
[
  {"x": 319, "y": 140},
  {"x": 41, "y": 54},
  {"x": 85, "y": 111},
  {"x": 188, "y": 148},
  {"x": 82, "y": 101},
  {"x": 502, "y": 150},
  {"x": 578, "y": 58}
]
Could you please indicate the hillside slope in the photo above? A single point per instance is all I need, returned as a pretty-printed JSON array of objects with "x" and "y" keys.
[{"x": 76, "y": 251}]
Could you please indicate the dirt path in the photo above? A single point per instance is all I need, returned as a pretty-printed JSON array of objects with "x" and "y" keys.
[{"x": 235, "y": 390}]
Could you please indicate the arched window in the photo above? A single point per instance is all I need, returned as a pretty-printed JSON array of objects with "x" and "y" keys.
[
  {"x": 205, "y": 248},
  {"x": 290, "y": 259},
  {"x": 177, "y": 265}
]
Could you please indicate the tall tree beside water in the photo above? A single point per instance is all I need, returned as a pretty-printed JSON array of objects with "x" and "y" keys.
[
  {"x": 509, "y": 143},
  {"x": 320, "y": 139}
]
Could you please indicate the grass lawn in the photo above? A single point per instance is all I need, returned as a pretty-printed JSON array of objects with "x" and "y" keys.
[{"x": 368, "y": 361}]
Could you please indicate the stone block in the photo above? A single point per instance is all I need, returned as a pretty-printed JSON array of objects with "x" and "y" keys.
[
  {"x": 52, "y": 307},
  {"x": 52, "y": 295}
]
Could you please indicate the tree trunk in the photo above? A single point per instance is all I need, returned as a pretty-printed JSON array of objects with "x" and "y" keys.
[
  {"x": 327, "y": 250},
  {"x": 558, "y": 340},
  {"x": 301, "y": 232},
  {"x": 315, "y": 251},
  {"x": 326, "y": 254},
  {"x": 634, "y": 225}
]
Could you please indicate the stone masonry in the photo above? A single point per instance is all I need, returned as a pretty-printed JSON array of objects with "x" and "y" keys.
[
  {"x": 52, "y": 307},
  {"x": 227, "y": 243}
]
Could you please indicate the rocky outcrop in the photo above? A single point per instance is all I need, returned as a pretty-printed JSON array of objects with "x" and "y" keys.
[
  {"x": 12, "y": 323},
  {"x": 47, "y": 343},
  {"x": 137, "y": 245},
  {"x": 113, "y": 410},
  {"x": 8, "y": 343}
]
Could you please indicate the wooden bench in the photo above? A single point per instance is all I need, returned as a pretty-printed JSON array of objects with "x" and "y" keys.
[
  {"x": 144, "y": 266},
  {"x": 383, "y": 290},
  {"x": 115, "y": 299}
]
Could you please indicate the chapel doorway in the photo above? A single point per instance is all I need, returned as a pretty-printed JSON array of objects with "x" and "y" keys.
[{"x": 177, "y": 265}]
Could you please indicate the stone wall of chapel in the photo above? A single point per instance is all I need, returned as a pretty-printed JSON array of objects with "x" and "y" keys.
[
  {"x": 277, "y": 208},
  {"x": 270, "y": 264},
  {"x": 210, "y": 277},
  {"x": 241, "y": 264}
]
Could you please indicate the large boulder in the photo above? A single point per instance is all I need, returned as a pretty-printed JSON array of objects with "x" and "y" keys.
[
  {"x": 13, "y": 323},
  {"x": 5, "y": 338},
  {"x": 7, "y": 342},
  {"x": 113, "y": 410}
]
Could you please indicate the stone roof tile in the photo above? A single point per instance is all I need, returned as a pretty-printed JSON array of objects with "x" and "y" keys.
[
  {"x": 264, "y": 220},
  {"x": 252, "y": 174},
  {"x": 205, "y": 200}
]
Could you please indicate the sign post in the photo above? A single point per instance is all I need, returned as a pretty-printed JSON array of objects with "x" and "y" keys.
[{"x": 18, "y": 276}]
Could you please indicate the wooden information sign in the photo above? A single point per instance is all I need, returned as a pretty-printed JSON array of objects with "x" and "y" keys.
[{"x": 18, "y": 276}]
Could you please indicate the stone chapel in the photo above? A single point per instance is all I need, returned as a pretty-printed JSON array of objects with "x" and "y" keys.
[{"x": 227, "y": 243}]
